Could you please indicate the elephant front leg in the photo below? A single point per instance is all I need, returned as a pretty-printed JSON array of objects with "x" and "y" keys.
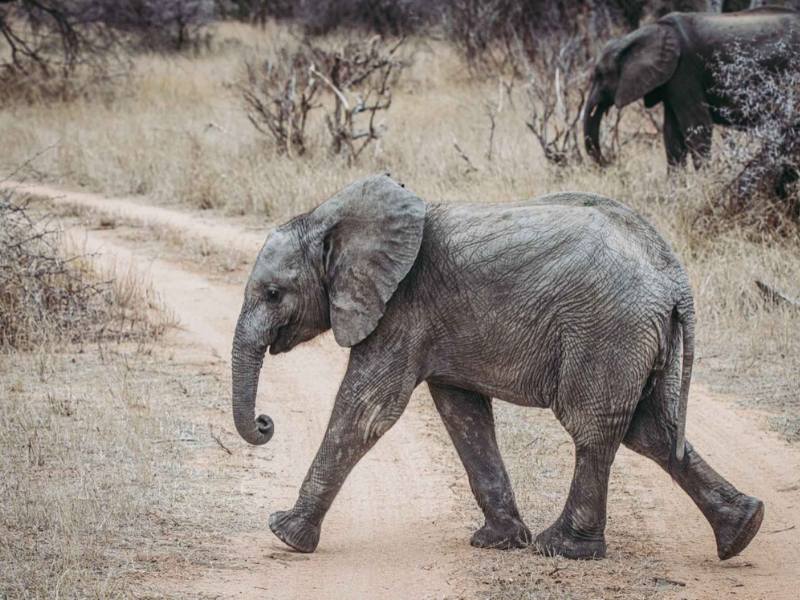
[
  {"x": 468, "y": 419},
  {"x": 365, "y": 408},
  {"x": 674, "y": 143},
  {"x": 695, "y": 126}
]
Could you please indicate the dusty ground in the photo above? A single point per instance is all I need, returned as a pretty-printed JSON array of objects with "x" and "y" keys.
[{"x": 401, "y": 525}]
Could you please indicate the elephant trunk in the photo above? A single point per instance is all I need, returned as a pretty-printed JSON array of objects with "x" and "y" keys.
[
  {"x": 246, "y": 361},
  {"x": 592, "y": 116}
]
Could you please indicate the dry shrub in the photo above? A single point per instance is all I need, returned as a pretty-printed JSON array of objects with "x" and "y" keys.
[
  {"x": 47, "y": 296},
  {"x": 385, "y": 17},
  {"x": 361, "y": 76},
  {"x": 161, "y": 25},
  {"x": 757, "y": 169},
  {"x": 352, "y": 82},
  {"x": 278, "y": 97},
  {"x": 555, "y": 98}
]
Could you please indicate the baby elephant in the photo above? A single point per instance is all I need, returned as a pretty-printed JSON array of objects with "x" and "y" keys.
[{"x": 570, "y": 301}]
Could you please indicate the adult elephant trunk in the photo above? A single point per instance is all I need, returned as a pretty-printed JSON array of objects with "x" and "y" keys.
[
  {"x": 246, "y": 361},
  {"x": 592, "y": 116}
]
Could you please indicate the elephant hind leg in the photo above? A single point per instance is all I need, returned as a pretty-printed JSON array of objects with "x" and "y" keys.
[{"x": 735, "y": 517}]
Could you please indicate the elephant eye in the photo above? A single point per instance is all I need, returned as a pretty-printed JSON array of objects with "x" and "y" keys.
[{"x": 273, "y": 295}]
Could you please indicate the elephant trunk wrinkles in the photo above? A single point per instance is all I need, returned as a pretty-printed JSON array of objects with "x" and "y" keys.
[
  {"x": 246, "y": 361},
  {"x": 592, "y": 116}
]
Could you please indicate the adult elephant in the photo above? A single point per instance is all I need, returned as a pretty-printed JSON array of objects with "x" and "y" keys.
[
  {"x": 677, "y": 60},
  {"x": 570, "y": 301}
]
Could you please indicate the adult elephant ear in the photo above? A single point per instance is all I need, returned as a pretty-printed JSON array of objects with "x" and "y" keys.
[
  {"x": 372, "y": 233},
  {"x": 647, "y": 62}
]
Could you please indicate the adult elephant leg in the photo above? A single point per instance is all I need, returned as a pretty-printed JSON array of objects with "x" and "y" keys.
[
  {"x": 695, "y": 124},
  {"x": 374, "y": 393},
  {"x": 468, "y": 419},
  {"x": 735, "y": 517},
  {"x": 674, "y": 143}
]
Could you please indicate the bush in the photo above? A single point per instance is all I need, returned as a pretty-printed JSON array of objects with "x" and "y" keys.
[
  {"x": 46, "y": 296},
  {"x": 760, "y": 166},
  {"x": 279, "y": 95},
  {"x": 385, "y": 17},
  {"x": 256, "y": 11},
  {"x": 555, "y": 98},
  {"x": 319, "y": 17},
  {"x": 352, "y": 83}
]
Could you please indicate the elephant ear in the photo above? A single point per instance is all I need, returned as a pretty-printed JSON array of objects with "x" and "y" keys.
[
  {"x": 373, "y": 232},
  {"x": 648, "y": 60}
]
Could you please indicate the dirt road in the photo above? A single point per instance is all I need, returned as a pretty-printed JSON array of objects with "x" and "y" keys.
[{"x": 395, "y": 531}]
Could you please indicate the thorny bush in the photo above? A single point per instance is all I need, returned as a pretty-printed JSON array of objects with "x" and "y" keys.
[
  {"x": 47, "y": 296},
  {"x": 759, "y": 166},
  {"x": 279, "y": 95},
  {"x": 352, "y": 83}
]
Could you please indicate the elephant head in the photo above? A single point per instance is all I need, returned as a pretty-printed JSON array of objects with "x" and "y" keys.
[
  {"x": 334, "y": 267},
  {"x": 629, "y": 68}
]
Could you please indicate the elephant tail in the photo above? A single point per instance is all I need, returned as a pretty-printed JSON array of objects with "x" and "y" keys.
[{"x": 684, "y": 311}]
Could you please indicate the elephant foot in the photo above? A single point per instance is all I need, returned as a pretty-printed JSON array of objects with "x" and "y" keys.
[
  {"x": 295, "y": 531},
  {"x": 737, "y": 525},
  {"x": 556, "y": 540},
  {"x": 502, "y": 535}
]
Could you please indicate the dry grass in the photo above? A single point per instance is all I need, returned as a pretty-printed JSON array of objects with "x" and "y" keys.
[{"x": 101, "y": 458}]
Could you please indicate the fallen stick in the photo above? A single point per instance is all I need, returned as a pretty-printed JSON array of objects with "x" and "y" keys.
[
  {"x": 776, "y": 296},
  {"x": 215, "y": 437}
]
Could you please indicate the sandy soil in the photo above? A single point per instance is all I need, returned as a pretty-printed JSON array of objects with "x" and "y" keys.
[{"x": 395, "y": 531}]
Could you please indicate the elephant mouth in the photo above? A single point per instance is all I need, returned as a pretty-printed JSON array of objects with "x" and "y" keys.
[{"x": 279, "y": 342}]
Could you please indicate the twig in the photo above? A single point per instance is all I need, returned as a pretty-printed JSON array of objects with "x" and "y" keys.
[
  {"x": 332, "y": 87},
  {"x": 28, "y": 161},
  {"x": 658, "y": 580},
  {"x": 215, "y": 437},
  {"x": 470, "y": 167},
  {"x": 776, "y": 296},
  {"x": 782, "y": 530}
]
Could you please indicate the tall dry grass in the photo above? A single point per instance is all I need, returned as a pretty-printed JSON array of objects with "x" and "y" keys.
[{"x": 105, "y": 481}]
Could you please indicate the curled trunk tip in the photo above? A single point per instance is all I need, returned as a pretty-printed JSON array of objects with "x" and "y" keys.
[{"x": 246, "y": 367}]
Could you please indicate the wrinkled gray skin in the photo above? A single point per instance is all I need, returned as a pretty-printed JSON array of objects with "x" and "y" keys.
[
  {"x": 570, "y": 302},
  {"x": 672, "y": 61}
]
